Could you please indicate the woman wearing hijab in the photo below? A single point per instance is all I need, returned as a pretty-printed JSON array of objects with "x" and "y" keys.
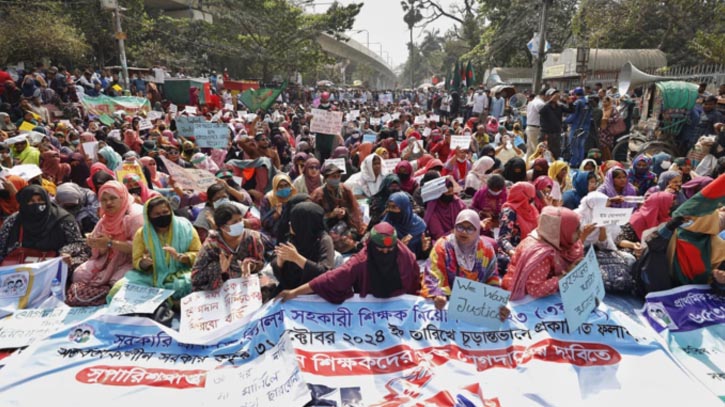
[
  {"x": 476, "y": 178},
  {"x": 311, "y": 178},
  {"x": 111, "y": 247},
  {"x": 399, "y": 213},
  {"x": 689, "y": 189},
  {"x": 441, "y": 213},
  {"x": 540, "y": 167},
  {"x": 12, "y": 184},
  {"x": 543, "y": 186},
  {"x": 488, "y": 201},
  {"x": 79, "y": 171},
  {"x": 298, "y": 163},
  {"x": 515, "y": 170},
  {"x": 204, "y": 162},
  {"x": 432, "y": 164},
  {"x": 138, "y": 188},
  {"x": 684, "y": 166},
  {"x": 546, "y": 254},
  {"x": 310, "y": 251},
  {"x": 463, "y": 253},
  {"x": 42, "y": 225},
  {"x": 158, "y": 178},
  {"x": 282, "y": 234},
  {"x": 518, "y": 218},
  {"x": 344, "y": 153},
  {"x": 81, "y": 203},
  {"x": 584, "y": 182},
  {"x": 216, "y": 196},
  {"x": 559, "y": 173},
  {"x": 404, "y": 171},
  {"x": 230, "y": 251},
  {"x": 110, "y": 158},
  {"x": 640, "y": 175},
  {"x": 164, "y": 250},
  {"x": 661, "y": 162},
  {"x": 538, "y": 154},
  {"x": 655, "y": 210},
  {"x": 53, "y": 170},
  {"x": 669, "y": 181},
  {"x": 391, "y": 146},
  {"x": 590, "y": 165},
  {"x": 616, "y": 186},
  {"x": 615, "y": 264},
  {"x": 372, "y": 173},
  {"x": 378, "y": 202},
  {"x": 385, "y": 268},
  {"x": 99, "y": 173},
  {"x": 131, "y": 139},
  {"x": 272, "y": 203}
]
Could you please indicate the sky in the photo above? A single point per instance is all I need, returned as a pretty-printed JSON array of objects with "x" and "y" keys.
[{"x": 384, "y": 20}]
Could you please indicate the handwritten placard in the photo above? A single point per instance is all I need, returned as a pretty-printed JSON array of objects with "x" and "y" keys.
[
  {"x": 604, "y": 216},
  {"x": 189, "y": 179},
  {"x": 154, "y": 115},
  {"x": 434, "y": 118},
  {"x": 211, "y": 135},
  {"x": 433, "y": 189},
  {"x": 185, "y": 125},
  {"x": 370, "y": 138},
  {"x": 137, "y": 299},
  {"x": 419, "y": 120},
  {"x": 462, "y": 142},
  {"x": 389, "y": 165},
  {"x": 339, "y": 162},
  {"x": 326, "y": 122},
  {"x": 354, "y": 114},
  {"x": 173, "y": 109},
  {"x": 274, "y": 379},
  {"x": 477, "y": 303},
  {"x": 190, "y": 109},
  {"x": 205, "y": 311},
  {"x": 580, "y": 289},
  {"x": 27, "y": 326},
  {"x": 25, "y": 171},
  {"x": 145, "y": 124}
]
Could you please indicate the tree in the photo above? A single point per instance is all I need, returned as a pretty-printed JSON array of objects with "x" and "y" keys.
[{"x": 412, "y": 17}]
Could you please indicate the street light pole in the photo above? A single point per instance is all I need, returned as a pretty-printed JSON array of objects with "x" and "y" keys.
[
  {"x": 367, "y": 35},
  {"x": 120, "y": 36},
  {"x": 539, "y": 67}
]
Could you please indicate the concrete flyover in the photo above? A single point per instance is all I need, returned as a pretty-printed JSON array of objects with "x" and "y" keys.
[{"x": 359, "y": 54}]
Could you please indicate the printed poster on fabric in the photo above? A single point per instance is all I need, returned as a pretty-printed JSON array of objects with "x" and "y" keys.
[
  {"x": 137, "y": 299},
  {"x": 691, "y": 320},
  {"x": 106, "y": 105},
  {"x": 190, "y": 179},
  {"x": 211, "y": 135},
  {"x": 370, "y": 352},
  {"x": 28, "y": 285}
]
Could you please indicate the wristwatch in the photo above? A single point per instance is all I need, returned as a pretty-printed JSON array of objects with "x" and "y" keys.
[{"x": 110, "y": 243}]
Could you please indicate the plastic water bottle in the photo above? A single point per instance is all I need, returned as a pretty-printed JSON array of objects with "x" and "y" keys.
[{"x": 56, "y": 289}]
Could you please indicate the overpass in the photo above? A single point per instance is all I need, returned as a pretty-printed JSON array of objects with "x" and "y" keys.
[{"x": 357, "y": 53}]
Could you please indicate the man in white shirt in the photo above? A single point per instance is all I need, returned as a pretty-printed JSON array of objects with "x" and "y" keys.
[
  {"x": 533, "y": 122},
  {"x": 480, "y": 101}
]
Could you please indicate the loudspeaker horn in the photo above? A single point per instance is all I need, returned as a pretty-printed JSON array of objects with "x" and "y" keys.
[{"x": 630, "y": 76}]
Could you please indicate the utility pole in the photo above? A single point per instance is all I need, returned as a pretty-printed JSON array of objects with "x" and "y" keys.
[
  {"x": 539, "y": 62},
  {"x": 121, "y": 36}
]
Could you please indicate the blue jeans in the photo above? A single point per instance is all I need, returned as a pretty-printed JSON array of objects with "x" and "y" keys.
[{"x": 577, "y": 145}]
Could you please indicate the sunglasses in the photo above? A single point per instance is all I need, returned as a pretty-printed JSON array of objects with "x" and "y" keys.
[
  {"x": 173, "y": 152},
  {"x": 465, "y": 229}
]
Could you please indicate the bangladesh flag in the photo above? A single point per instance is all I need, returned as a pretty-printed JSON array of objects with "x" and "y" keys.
[
  {"x": 470, "y": 76},
  {"x": 261, "y": 98}
]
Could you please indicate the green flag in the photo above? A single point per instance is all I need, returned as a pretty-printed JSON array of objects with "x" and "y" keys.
[
  {"x": 456, "y": 76},
  {"x": 261, "y": 98},
  {"x": 470, "y": 75}
]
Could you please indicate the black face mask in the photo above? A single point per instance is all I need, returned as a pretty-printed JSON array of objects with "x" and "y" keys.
[
  {"x": 36, "y": 209},
  {"x": 446, "y": 198},
  {"x": 395, "y": 217},
  {"x": 404, "y": 177},
  {"x": 4, "y": 194},
  {"x": 135, "y": 191},
  {"x": 161, "y": 221}
]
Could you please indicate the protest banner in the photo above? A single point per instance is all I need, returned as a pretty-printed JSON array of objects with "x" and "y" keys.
[
  {"x": 604, "y": 216},
  {"x": 462, "y": 142},
  {"x": 154, "y": 115},
  {"x": 370, "y": 138},
  {"x": 106, "y": 105},
  {"x": 389, "y": 165},
  {"x": 433, "y": 189},
  {"x": 477, "y": 303},
  {"x": 91, "y": 150},
  {"x": 185, "y": 125},
  {"x": 145, "y": 124},
  {"x": 384, "y": 352},
  {"x": 580, "y": 289},
  {"x": 137, "y": 299},
  {"x": 326, "y": 122},
  {"x": 28, "y": 326},
  {"x": 189, "y": 179},
  {"x": 339, "y": 162},
  {"x": 205, "y": 311},
  {"x": 211, "y": 135},
  {"x": 280, "y": 383},
  {"x": 25, "y": 171},
  {"x": 691, "y": 320},
  {"x": 28, "y": 285}
]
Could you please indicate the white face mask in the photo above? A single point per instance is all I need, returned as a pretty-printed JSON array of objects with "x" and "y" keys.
[
  {"x": 236, "y": 229},
  {"x": 220, "y": 202},
  {"x": 495, "y": 193},
  {"x": 665, "y": 165},
  {"x": 509, "y": 146}
]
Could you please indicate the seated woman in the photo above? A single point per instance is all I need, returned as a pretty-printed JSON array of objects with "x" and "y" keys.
[
  {"x": 669, "y": 181},
  {"x": 297, "y": 165},
  {"x": 271, "y": 208},
  {"x": 111, "y": 247},
  {"x": 282, "y": 234},
  {"x": 385, "y": 268},
  {"x": 543, "y": 185},
  {"x": 458, "y": 166},
  {"x": 488, "y": 201},
  {"x": 616, "y": 187},
  {"x": 640, "y": 174},
  {"x": 342, "y": 213},
  {"x": 371, "y": 175},
  {"x": 655, "y": 210},
  {"x": 99, "y": 174},
  {"x": 158, "y": 178},
  {"x": 12, "y": 184},
  {"x": 476, "y": 178},
  {"x": 549, "y": 252},
  {"x": 584, "y": 182},
  {"x": 310, "y": 179},
  {"x": 404, "y": 171},
  {"x": 441, "y": 213},
  {"x": 378, "y": 202},
  {"x": 310, "y": 251},
  {"x": 518, "y": 218},
  {"x": 110, "y": 158},
  {"x": 559, "y": 173},
  {"x": 615, "y": 264},
  {"x": 81, "y": 203},
  {"x": 515, "y": 170},
  {"x": 399, "y": 213},
  {"x": 230, "y": 251},
  {"x": 217, "y": 195},
  {"x": 464, "y": 253},
  {"x": 164, "y": 250},
  {"x": 138, "y": 188},
  {"x": 42, "y": 225}
]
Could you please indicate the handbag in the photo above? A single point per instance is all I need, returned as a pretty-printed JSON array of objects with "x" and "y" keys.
[
  {"x": 84, "y": 295},
  {"x": 25, "y": 255}
]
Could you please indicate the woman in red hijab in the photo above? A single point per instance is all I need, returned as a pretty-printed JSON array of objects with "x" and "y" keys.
[
  {"x": 655, "y": 210},
  {"x": 546, "y": 254},
  {"x": 518, "y": 218},
  {"x": 131, "y": 139},
  {"x": 52, "y": 168}
]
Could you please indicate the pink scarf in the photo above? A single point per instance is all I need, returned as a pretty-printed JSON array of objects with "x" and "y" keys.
[
  {"x": 526, "y": 213},
  {"x": 114, "y": 225}
]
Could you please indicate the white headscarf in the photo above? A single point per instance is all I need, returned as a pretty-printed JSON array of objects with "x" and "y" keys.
[
  {"x": 585, "y": 210},
  {"x": 369, "y": 184},
  {"x": 477, "y": 176}
]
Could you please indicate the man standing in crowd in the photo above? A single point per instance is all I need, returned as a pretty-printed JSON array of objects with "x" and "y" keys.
[{"x": 533, "y": 121}]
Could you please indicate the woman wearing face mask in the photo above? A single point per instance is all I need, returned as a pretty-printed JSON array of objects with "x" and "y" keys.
[
  {"x": 53, "y": 169},
  {"x": 164, "y": 250},
  {"x": 518, "y": 218},
  {"x": 81, "y": 203},
  {"x": 440, "y": 214},
  {"x": 390, "y": 185},
  {"x": 216, "y": 196},
  {"x": 478, "y": 175},
  {"x": 404, "y": 171},
  {"x": 458, "y": 166},
  {"x": 274, "y": 200},
  {"x": 137, "y": 187},
  {"x": 230, "y": 251},
  {"x": 309, "y": 252},
  {"x": 584, "y": 182},
  {"x": 515, "y": 170},
  {"x": 655, "y": 210},
  {"x": 411, "y": 227},
  {"x": 12, "y": 184},
  {"x": 488, "y": 201},
  {"x": 111, "y": 247},
  {"x": 42, "y": 225},
  {"x": 640, "y": 174}
]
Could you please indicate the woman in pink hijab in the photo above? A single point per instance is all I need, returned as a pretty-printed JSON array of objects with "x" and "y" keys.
[
  {"x": 131, "y": 139},
  {"x": 111, "y": 247},
  {"x": 549, "y": 252},
  {"x": 158, "y": 179}
]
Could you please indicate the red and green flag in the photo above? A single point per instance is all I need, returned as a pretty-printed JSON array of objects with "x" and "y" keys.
[
  {"x": 470, "y": 75},
  {"x": 261, "y": 98}
]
